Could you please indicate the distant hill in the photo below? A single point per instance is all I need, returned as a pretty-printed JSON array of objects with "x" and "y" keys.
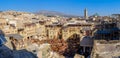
[{"x": 54, "y": 13}]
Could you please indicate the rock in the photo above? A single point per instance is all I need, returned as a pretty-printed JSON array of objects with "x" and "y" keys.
[
  {"x": 55, "y": 55},
  {"x": 78, "y": 56},
  {"x": 44, "y": 51},
  {"x": 39, "y": 54}
]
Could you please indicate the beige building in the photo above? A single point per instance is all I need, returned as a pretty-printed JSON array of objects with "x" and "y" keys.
[
  {"x": 53, "y": 31},
  {"x": 71, "y": 29},
  {"x": 40, "y": 30},
  {"x": 3, "y": 23},
  {"x": 29, "y": 30},
  {"x": 65, "y": 31},
  {"x": 9, "y": 30}
]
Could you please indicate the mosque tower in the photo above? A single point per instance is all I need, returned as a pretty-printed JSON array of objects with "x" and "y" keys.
[{"x": 85, "y": 14}]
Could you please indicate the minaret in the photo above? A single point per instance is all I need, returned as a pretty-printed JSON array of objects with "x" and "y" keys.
[{"x": 85, "y": 14}]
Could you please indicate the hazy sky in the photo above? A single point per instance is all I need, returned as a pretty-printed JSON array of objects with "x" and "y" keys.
[{"x": 75, "y": 7}]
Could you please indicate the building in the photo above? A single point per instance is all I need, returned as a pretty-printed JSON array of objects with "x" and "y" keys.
[
  {"x": 85, "y": 14},
  {"x": 3, "y": 23},
  {"x": 53, "y": 31},
  {"x": 106, "y": 49},
  {"x": 86, "y": 45},
  {"x": 107, "y": 31},
  {"x": 106, "y": 41},
  {"x": 40, "y": 30},
  {"x": 71, "y": 29},
  {"x": 64, "y": 31}
]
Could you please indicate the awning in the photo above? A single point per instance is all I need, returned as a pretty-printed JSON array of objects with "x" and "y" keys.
[
  {"x": 102, "y": 32},
  {"x": 86, "y": 41}
]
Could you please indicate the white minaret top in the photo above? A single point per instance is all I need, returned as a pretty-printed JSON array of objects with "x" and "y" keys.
[{"x": 85, "y": 14}]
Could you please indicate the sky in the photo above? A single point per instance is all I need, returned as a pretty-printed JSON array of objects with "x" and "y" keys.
[{"x": 74, "y": 7}]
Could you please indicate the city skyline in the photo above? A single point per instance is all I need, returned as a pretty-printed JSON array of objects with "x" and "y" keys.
[{"x": 73, "y": 7}]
